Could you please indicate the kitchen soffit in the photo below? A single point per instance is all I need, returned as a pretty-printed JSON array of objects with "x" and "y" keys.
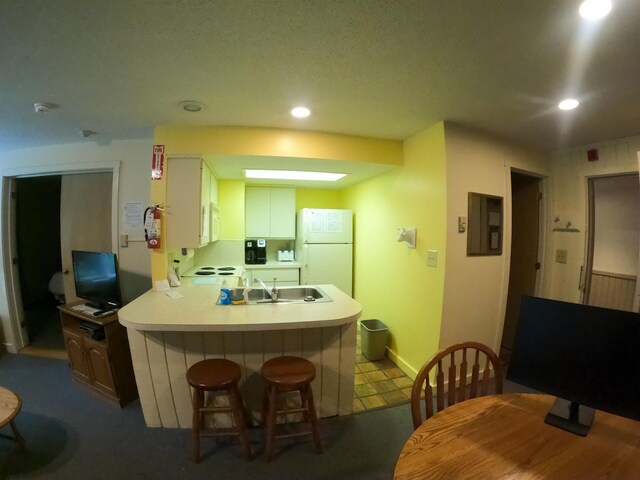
[{"x": 233, "y": 166}]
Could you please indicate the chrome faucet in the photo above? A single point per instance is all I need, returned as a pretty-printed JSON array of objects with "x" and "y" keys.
[{"x": 273, "y": 293}]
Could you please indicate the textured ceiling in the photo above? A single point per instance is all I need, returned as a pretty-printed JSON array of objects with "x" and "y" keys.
[{"x": 383, "y": 69}]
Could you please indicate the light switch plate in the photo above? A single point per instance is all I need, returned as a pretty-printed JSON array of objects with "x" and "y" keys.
[
  {"x": 462, "y": 224},
  {"x": 561, "y": 256},
  {"x": 432, "y": 258}
]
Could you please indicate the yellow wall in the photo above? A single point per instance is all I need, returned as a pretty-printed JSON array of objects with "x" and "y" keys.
[
  {"x": 393, "y": 282},
  {"x": 277, "y": 142},
  {"x": 318, "y": 198},
  {"x": 261, "y": 141}
]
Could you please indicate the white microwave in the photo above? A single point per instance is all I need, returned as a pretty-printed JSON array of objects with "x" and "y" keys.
[{"x": 214, "y": 218}]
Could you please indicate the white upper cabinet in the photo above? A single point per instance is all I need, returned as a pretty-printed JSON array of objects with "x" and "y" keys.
[
  {"x": 188, "y": 206},
  {"x": 270, "y": 212}
]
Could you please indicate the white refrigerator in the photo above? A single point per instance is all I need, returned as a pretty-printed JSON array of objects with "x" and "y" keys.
[{"x": 324, "y": 247}]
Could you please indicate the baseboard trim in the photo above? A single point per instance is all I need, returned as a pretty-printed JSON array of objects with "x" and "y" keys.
[{"x": 401, "y": 364}]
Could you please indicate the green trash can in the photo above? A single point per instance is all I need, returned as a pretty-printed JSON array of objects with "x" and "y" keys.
[{"x": 373, "y": 338}]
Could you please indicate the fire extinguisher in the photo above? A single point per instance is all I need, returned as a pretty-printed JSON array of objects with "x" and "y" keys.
[{"x": 152, "y": 226}]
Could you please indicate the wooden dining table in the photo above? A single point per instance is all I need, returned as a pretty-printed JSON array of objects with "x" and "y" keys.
[
  {"x": 505, "y": 437},
  {"x": 10, "y": 405}
]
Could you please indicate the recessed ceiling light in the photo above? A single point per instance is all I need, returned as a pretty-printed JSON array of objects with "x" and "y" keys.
[
  {"x": 293, "y": 175},
  {"x": 192, "y": 106},
  {"x": 300, "y": 112},
  {"x": 568, "y": 104},
  {"x": 595, "y": 9}
]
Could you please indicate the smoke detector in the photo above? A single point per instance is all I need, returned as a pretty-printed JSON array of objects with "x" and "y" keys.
[
  {"x": 43, "y": 107},
  {"x": 192, "y": 106}
]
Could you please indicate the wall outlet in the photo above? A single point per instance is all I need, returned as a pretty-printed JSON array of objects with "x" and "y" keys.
[
  {"x": 432, "y": 258},
  {"x": 561, "y": 256}
]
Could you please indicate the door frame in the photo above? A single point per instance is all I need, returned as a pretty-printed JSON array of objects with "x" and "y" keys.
[
  {"x": 17, "y": 338},
  {"x": 544, "y": 202},
  {"x": 589, "y": 242}
]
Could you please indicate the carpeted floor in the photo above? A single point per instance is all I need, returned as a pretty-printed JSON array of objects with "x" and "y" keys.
[{"x": 73, "y": 434}]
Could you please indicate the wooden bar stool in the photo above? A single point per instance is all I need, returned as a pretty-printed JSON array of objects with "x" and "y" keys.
[
  {"x": 10, "y": 405},
  {"x": 287, "y": 374},
  {"x": 215, "y": 375}
]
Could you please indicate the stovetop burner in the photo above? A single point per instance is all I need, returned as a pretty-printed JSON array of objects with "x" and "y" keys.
[{"x": 210, "y": 270}]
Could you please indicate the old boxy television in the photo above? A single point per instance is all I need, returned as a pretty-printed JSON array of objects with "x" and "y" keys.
[
  {"x": 586, "y": 356},
  {"x": 96, "y": 279}
]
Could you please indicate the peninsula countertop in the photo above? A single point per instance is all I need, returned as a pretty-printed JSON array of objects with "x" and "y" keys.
[{"x": 196, "y": 310}]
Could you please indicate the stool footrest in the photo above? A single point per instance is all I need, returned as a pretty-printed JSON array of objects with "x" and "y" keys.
[
  {"x": 292, "y": 410},
  {"x": 215, "y": 410},
  {"x": 296, "y": 434},
  {"x": 218, "y": 433}
]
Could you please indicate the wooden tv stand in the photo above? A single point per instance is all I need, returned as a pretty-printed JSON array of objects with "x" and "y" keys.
[{"x": 102, "y": 363}]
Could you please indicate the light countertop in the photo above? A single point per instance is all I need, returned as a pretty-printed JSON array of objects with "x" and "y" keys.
[{"x": 196, "y": 310}]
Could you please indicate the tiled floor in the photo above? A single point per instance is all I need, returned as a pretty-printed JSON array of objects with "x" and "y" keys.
[{"x": 378, "y": 384}]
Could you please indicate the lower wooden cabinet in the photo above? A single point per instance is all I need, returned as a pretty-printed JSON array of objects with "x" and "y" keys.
[{"x": 103, "y": 364}]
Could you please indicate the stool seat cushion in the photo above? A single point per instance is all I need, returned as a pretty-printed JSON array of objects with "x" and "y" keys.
[
  {"x": 288, "y": 371},
  {"x": 213, "y": 374}
]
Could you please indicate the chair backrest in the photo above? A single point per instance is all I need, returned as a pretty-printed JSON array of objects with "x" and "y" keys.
[{"x": 464, "y": 359}]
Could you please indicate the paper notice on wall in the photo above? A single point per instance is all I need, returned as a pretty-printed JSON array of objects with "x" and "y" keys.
[
  {"x": 326, "y": 222},
  {"x": 133, "y": 221}
]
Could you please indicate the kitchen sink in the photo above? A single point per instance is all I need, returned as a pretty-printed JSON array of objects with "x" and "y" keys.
[{"x": 293, "y": 294}]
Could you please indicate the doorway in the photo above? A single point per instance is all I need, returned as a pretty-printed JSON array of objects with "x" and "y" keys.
[
  {"x": 613, "y": 240},
  {"x": 38, "y": 231},
  {"x": 97, "y": 206},
  {"x": 525, "y": 237}
]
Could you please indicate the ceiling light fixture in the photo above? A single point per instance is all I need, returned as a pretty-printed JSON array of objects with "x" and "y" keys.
[
  {"x": 192, "y": 106},
  {"x": 300, "y": 112},
  {"x": 40, "y": 107},
  {"x": 568, "y": 104},
  {"x": 293, "y": 175},
  {"x": 595, "y": 9}
]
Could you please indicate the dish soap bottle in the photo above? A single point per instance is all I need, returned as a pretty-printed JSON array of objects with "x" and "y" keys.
[{"x": 225, "y": 295}]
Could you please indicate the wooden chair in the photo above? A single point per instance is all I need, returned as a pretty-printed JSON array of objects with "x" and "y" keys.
[{"x": 468, "y": 358}]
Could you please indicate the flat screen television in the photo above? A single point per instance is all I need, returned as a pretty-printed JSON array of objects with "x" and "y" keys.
[
  {"x": 96, "y": 279},
  {"x": 586, "y": 356}
]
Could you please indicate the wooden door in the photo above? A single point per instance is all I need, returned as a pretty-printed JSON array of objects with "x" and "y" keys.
[
  {"x": 85, "y": 220},
  {"x": 525, "y": 199}
]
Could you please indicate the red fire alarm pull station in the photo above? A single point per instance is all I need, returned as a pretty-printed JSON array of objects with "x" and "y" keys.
[
  {"x": 157, "y": 162},
  {"x": 592, "y": 155}
]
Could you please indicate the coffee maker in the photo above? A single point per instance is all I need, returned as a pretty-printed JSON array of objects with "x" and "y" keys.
[{"x": 255, "y": 252}]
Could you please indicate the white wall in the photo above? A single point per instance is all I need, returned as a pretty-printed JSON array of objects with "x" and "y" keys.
[
  {"x": 134, "y": 160},
  {"x": 570, "y": 171},
  {"x": 476, "y": 288}
]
